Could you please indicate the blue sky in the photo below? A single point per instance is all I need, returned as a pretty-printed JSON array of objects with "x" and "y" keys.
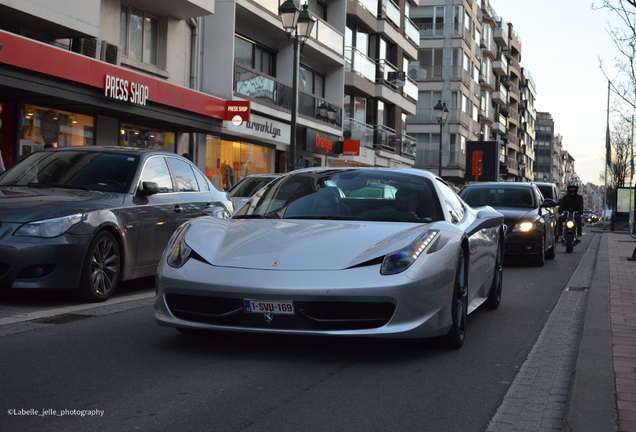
[{"x": 561, "y": 45}]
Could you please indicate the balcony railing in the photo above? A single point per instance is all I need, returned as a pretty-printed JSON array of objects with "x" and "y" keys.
[
  {"x": 392, "y": 12},
  {"x": 431, "y": 29},
  {"x": 359, "y": 131},
  {"x": 454, "y": 159},
  {"x": 409, "y": 145},
  {"x": 370, "y": 5},
  {"x": 359, "y": 63},
  {"x": 327, "y": 36},
  {"x": 265, "y": 89},
  {"x": 410, "y": 89},
  {"x": 425, "y": 72},
  {"x": 384, "y": 67},
  {"x": 383, "y": 138},
  {"x": 411, "y": 31}
]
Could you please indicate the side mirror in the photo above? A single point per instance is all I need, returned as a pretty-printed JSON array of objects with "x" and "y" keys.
[
  {"x": 148, "y": 188},
  {"x": 218, "y": 212},
  {"x": 549, "y": 202}
]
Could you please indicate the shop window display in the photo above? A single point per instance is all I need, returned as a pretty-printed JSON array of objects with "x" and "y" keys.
[
  {"x": 42, "y": 127},
  {"x": 137, "y": 136},
  {"x": 227, "y": 162}
]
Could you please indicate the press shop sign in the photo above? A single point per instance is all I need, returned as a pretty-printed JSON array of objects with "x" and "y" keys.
[{"x": 124, "y": 90}]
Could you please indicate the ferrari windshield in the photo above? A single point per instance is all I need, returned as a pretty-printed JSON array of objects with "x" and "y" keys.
[
  {"x": 79, "y": 169},
  {"x": 355, "y": 194}
]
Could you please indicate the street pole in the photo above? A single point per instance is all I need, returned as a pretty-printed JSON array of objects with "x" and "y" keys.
[
  {"x": 294, "y": 107},
  {"x": 607, "y": 144},
  {"x": 441, "y": 125}
]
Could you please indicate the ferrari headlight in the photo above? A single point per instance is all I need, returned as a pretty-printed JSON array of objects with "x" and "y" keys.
[
  {"x": 178, "y": 251},
  {"x": 569, "y": 224},
  {"x": 523, "y": 227},
  {"x": 48, "y": 228},
  {"x": 399, "y": 261}
]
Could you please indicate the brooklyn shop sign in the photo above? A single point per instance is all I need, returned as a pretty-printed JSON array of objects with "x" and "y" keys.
[{"x": 263, "y": 128}]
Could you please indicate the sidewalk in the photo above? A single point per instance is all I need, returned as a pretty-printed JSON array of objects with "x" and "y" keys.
[{"x": 603, "y": 392}]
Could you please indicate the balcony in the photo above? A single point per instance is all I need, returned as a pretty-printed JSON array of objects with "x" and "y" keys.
[
  {"x": 359, "y": 131},
  {"x": 501, "y": 96},
  {"x": 500, "y": 36},
  {"x": 514, "y": 91},
  {"x": 370, "y": 5},
  {"x": 359, "y": 63},
  {"x": 180, "y": 9},
  {"x": 499, "y": 128},
  {"x": 328, "y": 36},
  {"x": 267, "y": 90},
  {"x": 428, "y": 30},
  {"x": 384, "y": 138},
  {"x": 391, "y": 12},
  {"x": 409, "y": 146},
  {"x": 513, "y": 116},
  {"x": 514, "y": 66},
  {"x": 410, "y": 89},
  {"x": 411, "y": 31},
  {"x": 500, "y": 67}
]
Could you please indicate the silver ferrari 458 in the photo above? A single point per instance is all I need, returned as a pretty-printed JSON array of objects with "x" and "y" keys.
[{"x": 319, "y": 251}]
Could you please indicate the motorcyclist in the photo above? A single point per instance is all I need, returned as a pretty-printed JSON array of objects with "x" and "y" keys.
[{"x": 571, "y": 202}]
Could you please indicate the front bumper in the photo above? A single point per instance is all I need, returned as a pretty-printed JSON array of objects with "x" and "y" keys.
[
  {"x": 522, "y": 244},
  {"x": 28, "y": 262},
  {"x": 351, "y": 302}
]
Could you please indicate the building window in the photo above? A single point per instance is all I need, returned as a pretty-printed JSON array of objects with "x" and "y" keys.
[
  {"x": 310, "y": 82},
  {"x": 250, "y": 54},
  {"x": 318, "y": 8},
  {"x": 138, "y": 35}
]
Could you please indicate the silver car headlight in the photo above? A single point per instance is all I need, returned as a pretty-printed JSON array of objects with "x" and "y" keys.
[
  {"x": 178, "y": 252},
  {"x": 48, "y": 228},
  {"x": 399, "y": 261}
]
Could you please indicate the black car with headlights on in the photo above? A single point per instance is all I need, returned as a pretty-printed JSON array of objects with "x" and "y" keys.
[
  {"x": 528, "y": 217},
  {"x": 90, "y": 217}
]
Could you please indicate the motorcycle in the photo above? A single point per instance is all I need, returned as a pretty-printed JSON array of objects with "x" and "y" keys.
[{"x": 569, "y": 240}]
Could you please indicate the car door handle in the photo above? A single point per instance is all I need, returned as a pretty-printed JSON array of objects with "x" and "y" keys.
[{"x": 177, "y": 209}]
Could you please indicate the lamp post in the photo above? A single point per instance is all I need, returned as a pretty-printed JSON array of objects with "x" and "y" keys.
[
  {"x": 298, "y": 25},
  {"x": 441, "y": 113}
]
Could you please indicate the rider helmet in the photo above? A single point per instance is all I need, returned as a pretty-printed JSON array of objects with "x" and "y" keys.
[{"x": 573, "y": 187}]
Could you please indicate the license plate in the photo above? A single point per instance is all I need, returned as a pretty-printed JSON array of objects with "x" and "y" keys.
[{"x": 271, "y": 306}]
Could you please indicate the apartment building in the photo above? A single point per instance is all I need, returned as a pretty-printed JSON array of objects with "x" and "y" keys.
[
  {"x": 379, "y": 93},
  {"x": 469, "y": 60},
  {"x": 247, "y": 56},
  {"x": 543, "y": 147},
  {"x": 103, "y": 72}
]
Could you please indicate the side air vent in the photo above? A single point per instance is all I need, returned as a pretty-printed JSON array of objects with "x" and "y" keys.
[
  {"x": 111, "y": 53},
  {"x": 89, "y": 47}
]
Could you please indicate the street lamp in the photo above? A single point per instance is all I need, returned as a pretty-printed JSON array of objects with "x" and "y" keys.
[
  {"x": 298, "y": 25},
  {"x": 441, "y": 113}
]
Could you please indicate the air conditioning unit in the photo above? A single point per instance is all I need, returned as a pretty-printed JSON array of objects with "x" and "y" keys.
[
  {"x": 90, "y": 47},
  {"x": 111, "y": 53}
]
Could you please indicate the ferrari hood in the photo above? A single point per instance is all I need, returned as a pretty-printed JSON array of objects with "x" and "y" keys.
[{"x": 297, "y": 245}]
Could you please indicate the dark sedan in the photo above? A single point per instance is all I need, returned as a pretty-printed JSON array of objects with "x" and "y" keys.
[
  {"x": 528, "y": 217},
  {"x": 90, "y": 217}
]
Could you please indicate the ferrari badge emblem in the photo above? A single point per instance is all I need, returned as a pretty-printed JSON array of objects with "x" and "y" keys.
[
  {"x": 268, "y": 317},
  {"x": 275, "y": 263}
]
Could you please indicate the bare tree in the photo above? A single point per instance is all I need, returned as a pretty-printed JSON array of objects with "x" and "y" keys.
[{"x": 618, "y": 174}]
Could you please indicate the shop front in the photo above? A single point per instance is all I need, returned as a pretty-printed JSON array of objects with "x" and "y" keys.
[
  {"x": 53, "y": 97},
  {"x": 257, "y": 146}
]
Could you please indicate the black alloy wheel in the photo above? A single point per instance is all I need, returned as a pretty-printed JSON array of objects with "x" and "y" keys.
[
  {"x": 459, "y": 310},
  {"x": 496, "y": 288},
  {"x": 101, "y": 269}
]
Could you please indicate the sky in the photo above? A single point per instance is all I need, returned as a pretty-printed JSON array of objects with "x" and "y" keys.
[{"x": 561, "y": 43}]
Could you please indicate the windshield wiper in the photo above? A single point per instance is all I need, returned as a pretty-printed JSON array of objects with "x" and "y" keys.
[{"x": 55, "y": 185}]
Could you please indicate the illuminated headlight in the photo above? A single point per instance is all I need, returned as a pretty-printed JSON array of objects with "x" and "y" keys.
[
  {"x": 177, "y": 251},
  {"x": 48, "y": 228},
  {"x": 569, "y": 224},
  {"x": 523, "y": 227},
  {"x": 399, "y": 261}
]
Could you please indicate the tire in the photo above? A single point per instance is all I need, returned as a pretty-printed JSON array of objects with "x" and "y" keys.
[
  {"x": 459, "y": 309},
  {"x": 569, "y": 242},
  {"x": 494, "y": 296},
  {"x": 551, "y": 253},
  {"x": 539, "y": 259},
  {"x": 102, "y": 268}
]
